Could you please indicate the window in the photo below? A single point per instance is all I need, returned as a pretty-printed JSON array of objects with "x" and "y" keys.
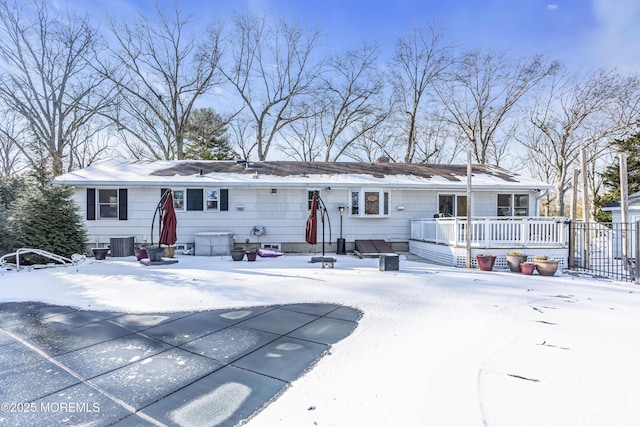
[
  {"x": 200, "y": 199},
  {"x": 194, "y": 199},
  {"x": 107, "y": 204},
  {"x": 461, "y": 205},
  {"x": 371, "y": 203},
  {"x": 212, "y": 200},
  {"x": 178, "y": 199},
  {"x": 520, "y": 205},
  {"x": 452, "y": 205},
  {"x": 374, "y": 203},
  {"x": 513, "y": 205},
  {"x": 386, "y": 203},
  {"x": 310, "y": 199},
  {"x": 355, "y": 203},
  {"x": 504, "y": 204}
]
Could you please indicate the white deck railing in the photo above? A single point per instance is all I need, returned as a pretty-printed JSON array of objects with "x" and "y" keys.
[{"x": 493, "y": 232}]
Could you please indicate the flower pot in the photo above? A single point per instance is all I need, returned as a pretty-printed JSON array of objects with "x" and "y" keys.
[
  {"x": 485, "y": 262},
  {"x": 169, "y": 252},
  {"x": 155, "y": 253},
  {"x": 237, "y": 254},
  {"x": 141, "y": 253},
  {"x": 527, "y": 267},
  {"x": 100, "y": 253},
  {"x": 251, "y": 255},
  {"x": 547, "y": 267},
  {"x": 514, "y": 261}
]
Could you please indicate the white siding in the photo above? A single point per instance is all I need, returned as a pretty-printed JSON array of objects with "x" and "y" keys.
[{"x": 283, "y": 215}]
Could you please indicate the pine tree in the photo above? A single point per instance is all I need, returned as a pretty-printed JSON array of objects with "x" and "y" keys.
[
  {"x": 611, "y": 176},
  {"x": 206, "y": 138},
  {"x": 46, "y": 218},
  {"x": 10, "y": 188}
]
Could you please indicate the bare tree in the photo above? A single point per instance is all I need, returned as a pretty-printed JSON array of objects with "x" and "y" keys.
[
  {"x": 302, "y": 140},
  {"x": 350, "y": 90},
  {"x": 579, "y": 111},
  {"x": 419, "y": 60},
  {"x": 46, "y": 78},
  {"x": 160, "y": 70},
  {"x": 373, "y": 144},
  {"x": 9, "y": 151},
  {"x": 270, "y": 68},
  {"x": 482, "y": 90},
  {"x": 92, "y": 144},
  {"x": 239, "y": 130}
]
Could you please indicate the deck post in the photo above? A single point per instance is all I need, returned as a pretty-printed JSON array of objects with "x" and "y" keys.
[{"x": 467, "y": 230}]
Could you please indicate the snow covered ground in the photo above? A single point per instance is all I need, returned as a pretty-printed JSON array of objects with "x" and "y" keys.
[{"x": 436, "y": 345}]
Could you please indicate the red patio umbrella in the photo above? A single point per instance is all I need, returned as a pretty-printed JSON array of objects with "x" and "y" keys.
[
  {"x": 312, "y": 222},
  {"x": 169, "y": 222}
]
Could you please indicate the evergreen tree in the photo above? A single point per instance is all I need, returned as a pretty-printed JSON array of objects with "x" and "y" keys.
[
  {"x": 206, "y": 137},
  {"x": 46, "y": 218},
  {"x": 10, "y": 188},
  {"x": 611, "y": 176},
  {"x": 5, "y": 239}
]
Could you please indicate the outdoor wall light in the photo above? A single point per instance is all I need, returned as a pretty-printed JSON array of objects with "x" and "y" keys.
[
  {"x": 240, "y": 207},
  {"x": 400, "y": 207}
]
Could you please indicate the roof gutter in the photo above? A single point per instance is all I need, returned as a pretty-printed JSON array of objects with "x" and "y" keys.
[{"x": 298, "y": 185}]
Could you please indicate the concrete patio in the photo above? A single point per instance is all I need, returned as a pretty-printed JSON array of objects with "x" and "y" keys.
[{"x": 61, "y": 365}]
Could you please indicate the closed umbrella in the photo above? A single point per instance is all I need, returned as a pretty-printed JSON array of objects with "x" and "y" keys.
[
  {"x": 169, "y": 222},
  {"x": 312, "y": 222}
]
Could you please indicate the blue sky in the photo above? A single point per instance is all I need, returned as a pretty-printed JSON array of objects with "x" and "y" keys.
[{"x": 580, "y": 33}]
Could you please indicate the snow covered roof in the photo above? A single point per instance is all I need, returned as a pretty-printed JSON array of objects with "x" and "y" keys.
[
  {"x": 633, "y": 201},
  {"x": 293, "y": 174}
]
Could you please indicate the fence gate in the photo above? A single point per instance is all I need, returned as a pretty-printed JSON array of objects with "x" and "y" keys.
[{"x": 598, "y": 249}]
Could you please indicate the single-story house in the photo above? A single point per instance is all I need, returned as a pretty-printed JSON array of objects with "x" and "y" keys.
[
  {"x": 266, "y": 204},
  {"x": 633, "y": 203},
  {"x": 612, "y": 235}
]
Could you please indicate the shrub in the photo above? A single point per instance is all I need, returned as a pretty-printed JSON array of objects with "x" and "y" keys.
[{"x": 46, "y": 218}]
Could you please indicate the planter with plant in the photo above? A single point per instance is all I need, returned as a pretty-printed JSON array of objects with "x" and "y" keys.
[
  {"x": 514, "y": 259},
  {"x": 545, "y": 265}
]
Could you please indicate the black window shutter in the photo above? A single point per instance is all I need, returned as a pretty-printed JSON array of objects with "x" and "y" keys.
[
  {"x": 91, "y": 204},
  {"x": 122, "y": 204},
  {"x": 194, "y": 199},
  {"x": 163, "y": 195},
  {"x": 224, "y": 200}
]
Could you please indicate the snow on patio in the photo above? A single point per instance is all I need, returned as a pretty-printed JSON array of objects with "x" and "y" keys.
[{"x": 436, "y": 345}]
